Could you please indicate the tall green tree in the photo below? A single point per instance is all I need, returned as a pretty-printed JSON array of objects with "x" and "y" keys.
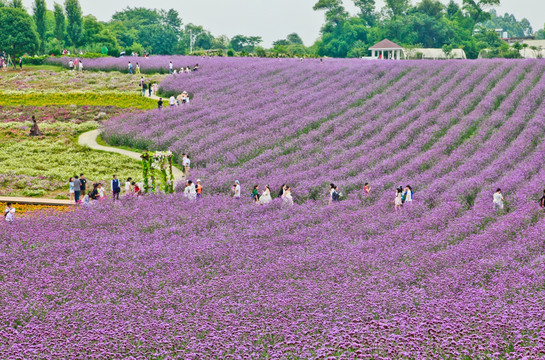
[
  {"x": 397, "y": 7},
  {"x": 172, "y": 19},
  {"x": 39, "y": 10},
  {"x": 74, "y": 17},
  {"x": 18, "y": 31},
  {"x": 477, "y": 9},
  {"x": 60, "y": 23},
  {"x": 367, "y": 11},
  {"x": 335, "y": 12},
  {"x": 17, "y": 4},
  {"x": 294, "y": 38}
]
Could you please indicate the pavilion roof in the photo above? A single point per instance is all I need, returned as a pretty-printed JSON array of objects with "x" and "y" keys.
[{"x": 386, "y": 45}]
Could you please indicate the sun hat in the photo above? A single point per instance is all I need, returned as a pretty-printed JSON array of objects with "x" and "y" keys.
[{"x": 237, "y": 182}]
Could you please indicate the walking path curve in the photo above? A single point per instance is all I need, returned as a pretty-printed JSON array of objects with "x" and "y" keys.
[
  {"x": 35, "y": 201},
  {"x": 90, "y": 139}
]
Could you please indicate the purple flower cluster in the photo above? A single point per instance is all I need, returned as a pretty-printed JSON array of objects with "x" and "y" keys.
[{"x": 160, "y": 277}]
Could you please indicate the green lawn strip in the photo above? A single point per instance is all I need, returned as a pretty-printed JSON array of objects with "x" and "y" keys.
[{"x": 117, "y": 99}]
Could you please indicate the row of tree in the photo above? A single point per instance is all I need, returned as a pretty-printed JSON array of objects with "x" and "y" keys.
[{"x": 429, "y": 23}]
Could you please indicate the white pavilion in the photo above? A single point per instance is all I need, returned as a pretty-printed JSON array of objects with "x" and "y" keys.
[{"x": 386, "y": 49}]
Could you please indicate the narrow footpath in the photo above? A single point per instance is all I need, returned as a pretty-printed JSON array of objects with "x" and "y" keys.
[{"x": 89, "y": 139}]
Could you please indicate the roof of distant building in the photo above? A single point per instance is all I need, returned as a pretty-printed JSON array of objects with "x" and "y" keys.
[{"x": 386, "y": 45}]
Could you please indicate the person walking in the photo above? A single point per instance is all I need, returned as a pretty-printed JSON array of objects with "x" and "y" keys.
[
  {"x": 71, "y": 64},
  {"x": 265, "y": 197},
  {"x": 77, "y": 189},
  {"x": 170, "y": 68},
  {"x": 236, "y": 190},
  {"x": 199, "y": 189},
  {"x": 71, "y": 191},
  {"x": 172, "y": 101},
  {"x": 149, "y": 88},
  {"x": 129, "y": 66},
  {"x": 9, "y": 213},
  {"x": 80, "y": 67},
  {"x": 144, "y": 89},
  {"x": 498, "y": 200},
  {"x": 186, "y": 162},
  {"x": 83, "y": 183},
  {"x": 255, "y": 194},
  {"x": 160, "y": 104},
  {"x": 287, "y": 199},
  {"x": 398, "y": 202},
  {"x": 408, "y": 194},
  {"x": 116, "y": 187},
  {"x": 137, "y": 68}
]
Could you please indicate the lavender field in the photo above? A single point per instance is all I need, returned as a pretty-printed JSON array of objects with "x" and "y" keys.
[{"x": 445, "y": 278}]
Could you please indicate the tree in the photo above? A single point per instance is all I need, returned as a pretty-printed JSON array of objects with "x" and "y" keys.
[
  {"x": 476, "y": 9},
  {"x": 432, "y": 8},
  {"x": 136, "y": 18},
  {"x": 172, "y": 19},
  {"x": 397, "y": 7},
  {"x": 160, "y": 39},
  {"x": 294, "y": 38},
  {"x": 60, "y": 23},
  {"x": 367, "y": 11},
  {"x": 244, "y": 43},
  {"x": 17, "y": 4},
  {"x": 335, "y": 13},
  {"x": 18, "y": 32},
  {"x": 75, "y": 27},
  {"x": 39, "y": 10}
]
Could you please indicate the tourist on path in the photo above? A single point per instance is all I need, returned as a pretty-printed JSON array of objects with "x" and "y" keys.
[
  {"x": 186, "y": 162},
  {"x": 149, "y": 88},
  {"x": 116, "y": 188},
  {"x": 77, "y": 189},
  {"x": 265, "y": 197},
  {"x": 9, "y": 213},
  {"x": 398, "y": 201},
  {"x": 498, "y": 200},
  {"x": 236, "y": 190},
  {"x": 83, "y": 183},
  {"x": 71, "y": 191}
]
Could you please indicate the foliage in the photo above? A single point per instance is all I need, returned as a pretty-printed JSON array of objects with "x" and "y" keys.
[
  {"x": 74, "y": 27},
  {"x": 158, "y": 165},
  {"x": 121, "y": 100},
  {"x": 39, "y": 10},
  {"x": 244, "y": 43},
  {"x": 18, "y": 33},
  {"x": 60, "y": 23},
  {"x": 509, "y": 24}
]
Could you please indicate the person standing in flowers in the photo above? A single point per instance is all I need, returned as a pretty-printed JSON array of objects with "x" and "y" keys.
[
  {"x": 186, "y": 162},
  {"x": 160, "y": 104},
  {"x": 170, "y": 68},
  {"x": 100, "y": 189},
  {"x": 265, "y": 197},
  {"x": 128, "y": 186},
  {"x": 83, "y": 183},
  {"x": 137, "y": 68},
  {"x": 190, "y": 191},
  {"x": 80, "y": 66},
  {"x": 542, "y": 200},
  {"x": 255, "y": 194},
  {"x": 498, "y": 200},
  {"x": 407, "y": 194},
  {"x": 236, "y": 190},
  {"x": 9, "y": 213},
  {"x": 129, "y": 66},
  {"x": 366, "y": 189},
  {"x": 116, "y": 187},
  {"x": 398, "y": 201},
  {"x": 287, "y": 199},
  {"x": 281, "y": 192},
  {"x": 35, "y": 130},
  {"x": 172, "y": 101},
  {"x": 199, "y": 189}
]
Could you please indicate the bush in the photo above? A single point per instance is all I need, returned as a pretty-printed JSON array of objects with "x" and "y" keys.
[
  {"x": 230, "y": 53},
  {"x": 35, "y": 60},
  {"x": 33, "y": 193}
]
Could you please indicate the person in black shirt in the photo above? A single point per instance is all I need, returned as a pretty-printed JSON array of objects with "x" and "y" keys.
[
  {"x": 94, "y": 194},
  {"x": 83, "y": 181},
  {"x": 542, "y": 200},
  {"x": 160, "y": 104}
]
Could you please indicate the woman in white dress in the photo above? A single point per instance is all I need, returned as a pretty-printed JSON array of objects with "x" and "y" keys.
[
  {"x": 398, "y": 202},
  {"x": 265, "y": 197},
  {"x": 287, "y": 199},
  {"x": 9, "y": 213}
]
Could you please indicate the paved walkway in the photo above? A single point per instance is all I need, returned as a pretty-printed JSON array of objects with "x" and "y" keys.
[
  {"x": 90, "y": 139},
  {"x": 36, "y": 201}
]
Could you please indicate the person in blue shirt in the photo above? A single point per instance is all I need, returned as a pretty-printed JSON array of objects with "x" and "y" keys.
[{"x": 116, "y": 187}]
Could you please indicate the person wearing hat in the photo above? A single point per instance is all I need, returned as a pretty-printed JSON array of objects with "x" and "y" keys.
[
  {"x": 236, "y": 190},
  {"x": 199, "y": 189}
]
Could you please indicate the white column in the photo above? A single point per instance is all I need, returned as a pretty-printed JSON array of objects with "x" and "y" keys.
[
  {"x": 382, "y": 54},
  {"x": 372, "y": 53}
]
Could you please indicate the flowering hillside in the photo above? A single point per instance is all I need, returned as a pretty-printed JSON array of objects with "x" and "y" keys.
[{"x": 447, "y": 277}]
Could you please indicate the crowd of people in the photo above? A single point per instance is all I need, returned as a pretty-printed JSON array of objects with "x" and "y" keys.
[
  {"x": 75, "y": 65},
  {"x": 5, "y": 61},
  {"x": 265, "y": 197},
  {"x": 148, "y": 87},
  {"x": 79, "y": 194},
  {"x": 183, "y": 70}
]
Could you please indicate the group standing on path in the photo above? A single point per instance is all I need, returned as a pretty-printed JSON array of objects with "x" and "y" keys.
[{"x": 75, "y": 65}]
